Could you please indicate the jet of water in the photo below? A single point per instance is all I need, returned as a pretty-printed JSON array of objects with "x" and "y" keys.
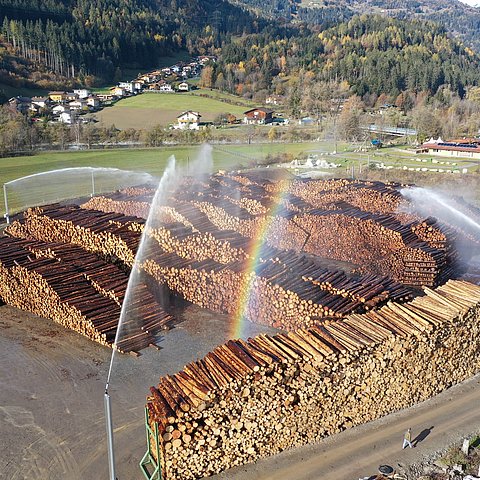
[
  {"x": 66, "y": 183},
  {"x": 428, "y": 202},
  {"x": 167, "y": 178},
  {"x": 169, "y": 183}
]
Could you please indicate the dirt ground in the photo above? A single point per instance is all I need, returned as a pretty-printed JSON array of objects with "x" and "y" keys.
[
  {"x": 52, "y": 421},
  {"x": 52, "y": 383}
]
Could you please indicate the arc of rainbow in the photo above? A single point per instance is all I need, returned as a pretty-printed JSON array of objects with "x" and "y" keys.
[{"x": 247, "y": 290}]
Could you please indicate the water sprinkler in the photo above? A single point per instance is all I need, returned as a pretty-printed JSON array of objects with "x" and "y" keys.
[
  {"x": 5, "y": 198},
  {"x": 109, "y": 425}
]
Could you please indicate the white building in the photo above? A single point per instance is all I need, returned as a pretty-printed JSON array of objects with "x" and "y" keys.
[
  {"x": 183, "y": 87},
  {"x": 82, "y": 92},
  {"x": 93, "y": 101},
  {"x": 78, "y": 105},
  {"x": 166, "y": 87},
  {"x": 188, "y": 121},
  {"x": 59, "y": 109},
  {"x": 65, "y": 117}
]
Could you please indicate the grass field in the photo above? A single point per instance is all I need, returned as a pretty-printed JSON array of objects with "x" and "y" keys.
[
  {"x": 149, "y": 109},
  {"x": 153, "y": 161}
]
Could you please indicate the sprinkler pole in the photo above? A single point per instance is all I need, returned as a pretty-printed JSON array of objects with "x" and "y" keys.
[
  {"x": 6, "y": 203},
  {"x": 93, "y": 184},
  {"x": 108, "y": 419}
]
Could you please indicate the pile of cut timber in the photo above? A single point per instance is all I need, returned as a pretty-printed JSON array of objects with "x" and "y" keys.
[
  {"x": 247, "y": 400},
  {"x": 212, "y": 268},
  {"x": 79, "y": 290}
]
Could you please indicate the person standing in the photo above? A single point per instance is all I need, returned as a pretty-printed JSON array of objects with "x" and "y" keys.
[{"x": 407, "y": 439}]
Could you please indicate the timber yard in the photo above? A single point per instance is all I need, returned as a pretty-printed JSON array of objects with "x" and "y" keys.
[{"x": 270, "y": 312}]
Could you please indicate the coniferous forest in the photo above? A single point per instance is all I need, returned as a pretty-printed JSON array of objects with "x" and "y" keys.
[{"x": 98, "y": 39}]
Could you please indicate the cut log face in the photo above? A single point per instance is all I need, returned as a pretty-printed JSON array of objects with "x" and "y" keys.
[{"x": 316, "y": 382}]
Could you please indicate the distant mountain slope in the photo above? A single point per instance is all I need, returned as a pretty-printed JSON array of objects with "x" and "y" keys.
[
  {"x": 457, "y": 17},
  {"x": 98, "y": 36},
  {"x": 373, "y": 54}
]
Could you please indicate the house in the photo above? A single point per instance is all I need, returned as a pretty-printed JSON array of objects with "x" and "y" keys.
[
  {"x": 57, "y": 97},
  {"x": 455, "y": 148},
  {"x": 166, "y": 87},
  {"x": 138, "y": 85},
  {"x": 65, "y": 117},
  {"x": 59, "y": 109},
  {"x": 41, "y": 102},
  {"x": 204, "y": 59},
  {"x": 131, "y": 87},
  {"x": 93, "y": 102},
  {"x": 20, "y": 104},
  {"x": 183, "y": 87},
  {"x": 275, "y": 100},
  {"x": 118, "y": 91},
  {"x": 71, "y": 96},
  {"x": 82, "y": 92},
  {"x": 78, "y": 105},
  {"x": 188, "y": 120},
  {"x": 258, "y": 116},
  {"x": 105, "y": 97}
]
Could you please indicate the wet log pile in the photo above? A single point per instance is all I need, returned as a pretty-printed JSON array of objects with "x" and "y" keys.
[
  {"x": 214, "y": 270},
  {"x": 78, "y": 290},
  {"x": 376, "y": 243},
  {"x": 250, "y": 399},
  {"x": 103, "y": 233}
]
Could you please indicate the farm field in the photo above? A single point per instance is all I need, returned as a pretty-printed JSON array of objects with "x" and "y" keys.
[
  {"x": 149, "y": 109},
  {"x": 151, "y": 160}
]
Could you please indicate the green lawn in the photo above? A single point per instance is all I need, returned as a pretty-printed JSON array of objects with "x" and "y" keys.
[
  {"x": 149, "y": 109},
  {"x": 53, "y": 187}
]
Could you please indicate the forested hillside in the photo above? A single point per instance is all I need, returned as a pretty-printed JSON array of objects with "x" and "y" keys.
[
  {"x": 96, "y": 37},
  {"x": 372, "y": 54},
  {"x": 457, "y": 17}
]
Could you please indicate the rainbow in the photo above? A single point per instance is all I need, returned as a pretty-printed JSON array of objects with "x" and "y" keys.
[{"x": 238, "y": 318}]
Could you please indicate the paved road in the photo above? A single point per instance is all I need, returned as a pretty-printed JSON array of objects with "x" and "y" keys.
[{"x": 357, "y": 453}]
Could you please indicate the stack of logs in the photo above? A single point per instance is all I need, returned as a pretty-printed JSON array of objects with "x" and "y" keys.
[
  {"x": 80, "y": 291},
  {"x": 205, "y": 245},
  {"x": 250, "y": 399},
  {"x": 216, "y": 273}
]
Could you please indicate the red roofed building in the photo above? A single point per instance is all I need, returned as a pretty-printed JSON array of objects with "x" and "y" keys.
[
  {"x": 469, "y": 148},
  {"x": 258, "y": 116}
]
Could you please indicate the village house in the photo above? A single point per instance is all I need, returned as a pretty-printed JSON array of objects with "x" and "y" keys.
[
  {"x": 105, "y": 97},
  {"x": 93, "y": 102},
  {"x": 188, "y": 120},
  {"x": 59, "y": 109},
  {"x": 57, "y": 97},
  {"x": 41, "y": 102},
  {"x": 65, "y": 117},
  {"x": 78, "y": 105},
  {"x": 275, "y": 100},
  {"x": 183, "y": 87},
  {"x": 20, "y": 104},
  {"x": 82, "y": 92},
  {"x": 71, "y": 96},
  {"x": 131, "y": 87},
  {"x": 118, "y": 91},
  {"x": 454, "y": 148},
  {"x": 258, "y": 116},
  {"x": 166, "y": 87}
]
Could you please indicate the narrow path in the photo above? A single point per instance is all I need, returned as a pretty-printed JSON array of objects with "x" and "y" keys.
[{"x": 357, "y": 453}]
